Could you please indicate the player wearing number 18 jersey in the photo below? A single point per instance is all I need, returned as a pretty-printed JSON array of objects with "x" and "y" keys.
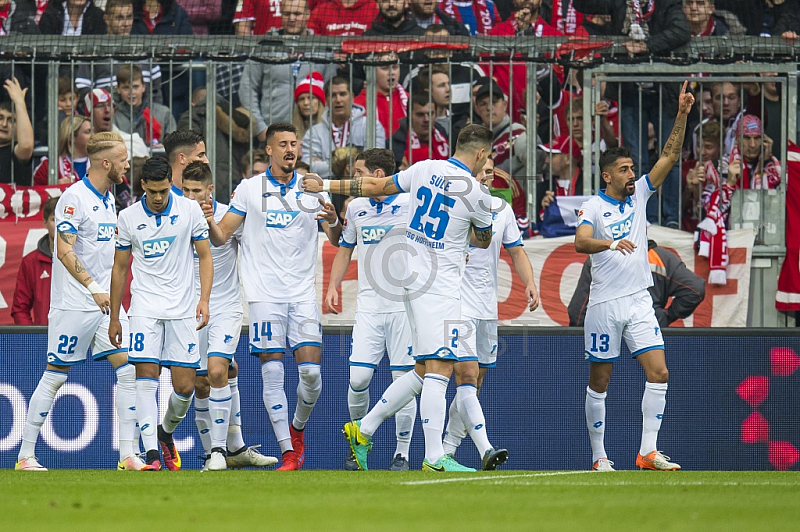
[
  {"x": 448, "y": 208},
  {"x": 612, "y": 227}
]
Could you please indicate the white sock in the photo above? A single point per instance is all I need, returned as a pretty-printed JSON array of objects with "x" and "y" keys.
[
  {"x": 177, "y": 406},
  {"x": 235, "y": 440},
  {"x": 653, "y": 403},
  {"x": 202, "y": 418},
  {"x": 308, "y": 389},
  {"x": 596, "y": 422},
  {"x": 358, "y": 391},
  {"x": 220, "y": 406},
  {"x": 472, "y": 416},
  {"x": 455, "y": 430},
  {"x": 41, "y": 402},
  {"x": 126, "y": 409},
  {"x": 432, "y": 410},
  {"x": 404, "y": 421},
  {"x": 396, "y": 396},
  {"x": 275, "y": 402},
  {"x": 147, "y": 411}
]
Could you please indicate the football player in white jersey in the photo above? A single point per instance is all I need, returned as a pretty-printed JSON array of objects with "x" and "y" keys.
[
  {"x": 613, "y": 228},
  {"x": 85, "y": 219},
  {"x": 161, "y": 232},
  {"x": 377, "y": 227},
  {"x": 183, "y": 147},
  {"x": 279, "y": 258},
  {"x": 448, "y": 209},
  {"x": 478, "y": 330},
  {"x": 217, "y": 384}
]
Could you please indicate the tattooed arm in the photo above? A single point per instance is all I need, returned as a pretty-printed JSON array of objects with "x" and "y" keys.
[
  {"x": 369, "y": 187},
  {"x": 671, "y": 154},
  {"x": 65, "y": 251}
]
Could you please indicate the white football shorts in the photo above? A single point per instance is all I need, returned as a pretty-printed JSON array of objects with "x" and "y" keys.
[
  {"x": 477, "y": 340},
  {"x": 165, "y": 342},
  {"x": 434, "y": 321},
  {"x": 273, "y": 325},
  {"x": 219, "y": 338},
  {"x": 70, "y": 333},
  {"x": 631, "y": 318},
  {"x": 376, "y": 334}
]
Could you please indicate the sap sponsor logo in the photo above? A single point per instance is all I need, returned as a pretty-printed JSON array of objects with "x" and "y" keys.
[
  {"x": 621, "y": 229},
  {"x": 141, "y": 226},
  {"x": 280, "y": 219},
  {"x": 105, "y": 232},
  {"x": 157, "y": 247},
  {"x": 372, "y": 234}
]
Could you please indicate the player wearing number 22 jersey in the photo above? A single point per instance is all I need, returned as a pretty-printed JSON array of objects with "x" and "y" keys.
[
  {"x": 448, "y": 208},
  {"x": 613, "y": 228}
]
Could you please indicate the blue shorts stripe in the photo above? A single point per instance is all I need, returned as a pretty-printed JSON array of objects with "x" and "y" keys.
[
  {"x": 195, "y": 365},
  {"x": 591, "y": 358},
  {"x": 303, "y": 344},
  {"x": 401, "y": 368},
  {"x": 489, "y": 365},
  {"x": 258, "y": 350},
  {"x": 468, "y": 359},
  {"x": 53, "y": 360},
  {"x": 651, "y": 348},
  {"x": 221, "y": 355},
  {"x": 135, "y": 360},
  {"x": 104, "y": 354}
]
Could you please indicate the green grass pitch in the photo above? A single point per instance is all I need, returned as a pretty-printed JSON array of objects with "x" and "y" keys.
[{"x": 414, "y": 501}]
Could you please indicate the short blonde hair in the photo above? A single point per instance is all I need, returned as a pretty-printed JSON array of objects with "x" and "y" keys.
[
  {"x": 100, "y": 142},
  {"x": 341, "y": 158}
]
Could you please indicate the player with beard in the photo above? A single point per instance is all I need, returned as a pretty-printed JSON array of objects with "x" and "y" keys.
[
  {"x": 279, "y": 257},
  {"x": 613, "y": 228},
  {"x": 86, "y": 221}
]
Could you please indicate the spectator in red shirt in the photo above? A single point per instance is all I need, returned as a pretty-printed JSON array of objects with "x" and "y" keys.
[
  {"x": 32, "y": 294},
  {"x": 391, "y": 98},
  {"x": 257, "y": 17},
  {"x": 343, "y": 17},
  {"x": 424, "y": 139}
]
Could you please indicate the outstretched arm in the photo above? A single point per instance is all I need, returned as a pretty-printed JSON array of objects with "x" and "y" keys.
[
  {"x": 369, "y": 187},
  {"x": 671, "y": 153}
]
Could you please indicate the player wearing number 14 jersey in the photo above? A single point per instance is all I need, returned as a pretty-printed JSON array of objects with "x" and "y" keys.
[
  {"x": 612, "y": 227},
  {"x": 448, "y": 209}
]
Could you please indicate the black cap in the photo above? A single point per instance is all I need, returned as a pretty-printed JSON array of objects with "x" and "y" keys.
[{"x": 488, "y": 86}]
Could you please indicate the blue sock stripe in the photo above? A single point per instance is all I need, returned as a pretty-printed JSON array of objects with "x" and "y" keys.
[
  {"x": 57, "y": 371},
  {"x": 469, "y": 385},
  {"x": 201, "y": 409},
  {"x": 146, "y": 379},
  {"x": 420, "y": 379},
  {"x": 308, "y": 364},
  {"x": 438, "y": 378},
  {"x": 363, "y": 365},
  {"x": 121, "y": 366},
  {"x": 359, "y": 391},
  {"x": 182, "y": 396},
  {"x": 219, "y": 400}
]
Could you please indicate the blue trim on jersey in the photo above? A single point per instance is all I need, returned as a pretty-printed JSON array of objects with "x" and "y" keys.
[
  {"x": 148, "y": 212},
  {"x": 176, "y": 190},
  {"x": 616, "y": 202},
  {"x": 283, "y": 187},
  {"x": 105, "y": 198},
  {"x": 651, "y": 348},
  {"x": 236, "y": 211},
  {"x": 379, "y": 204},
  {"x": 490, "y": 365},
  {"x": 586, "y": 222},
  {"x": 513, "y": 244},
  {"x": 198, "y": 238},
  {"x": 649, "y": 184},
  {"x": 195, "y": 365},
  {"x": 591, "y": 358},
  {"x": 71, "y": 230},
  {"x": 59, "y": 362},
  {"x": 436, "y": 377},
  {"x": 221, "y": 355},
  {"x": 483, "y": 228},
  {"x": 401, "y": 368},
  {"x": 456, "y": 162},
  {"x": 104, "y": 354},
  {"x": 135, "y": 360},
  {"x": 147, "y": 379},
  {"x": 396, "y": 184},
  {"x": 470, "y": 385},
  {"x": 345, "y": 244},
  {"x": 303, "y": 344},
  {"x": 364, "y": 365},
  {"x": 201, "y": 373},
  {"x": 358, "y": 391},
  {"x": 219, "y": 400}
]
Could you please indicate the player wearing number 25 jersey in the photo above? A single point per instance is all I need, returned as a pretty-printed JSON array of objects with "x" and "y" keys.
[
  {"x": 448, "y": 208},
  {"x": 613, "y": 227}
]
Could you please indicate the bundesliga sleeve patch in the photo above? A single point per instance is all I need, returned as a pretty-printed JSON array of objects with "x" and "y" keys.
[
  {"x": 69, "y": 211},
  {"x": 580, "y": 216}
]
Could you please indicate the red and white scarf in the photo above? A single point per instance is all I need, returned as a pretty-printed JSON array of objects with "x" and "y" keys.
[
  {"x": 757, "y": 175},
  {"x": 341, "y": 135},
  {"x": 713, "y": 236},
  {"x": 437, "y": 149},
  {"x": 483, "y": 17},
  {"x": 568, "y": 25}
]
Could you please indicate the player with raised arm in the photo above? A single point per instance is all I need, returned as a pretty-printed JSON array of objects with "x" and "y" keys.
[
  {"x": 217, "y": 384},
  {"x": 161, "y": 232},
  {"x": 377, "y": 226},
  {"x": 448, "y": 209},
  {"x": 613, "y": 228},
  {"x": 279, "y": 259},
  {"x": 477, "y": 336},
  {"x": 86, "y": 219}
]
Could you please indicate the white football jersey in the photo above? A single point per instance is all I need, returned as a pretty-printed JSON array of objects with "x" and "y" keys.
[
  {"x": 479, "y": 286},
  {"x": 225, "y": 293},
  {"x": 163, "y": 256},
  {"x": 615, "y": 274},
  {"x": 83, "y": 211},
  {"x": 379, "y": 230},
  {"x": 445, "y": 200},
  {"x": 279, "y": 238}
]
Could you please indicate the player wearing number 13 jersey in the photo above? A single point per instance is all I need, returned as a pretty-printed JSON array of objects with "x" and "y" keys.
[
  {"x": 448, "y": 209},
  {"x": 612, "y": 227}
]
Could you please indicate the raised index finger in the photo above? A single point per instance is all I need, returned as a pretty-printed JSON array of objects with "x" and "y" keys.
[{"x": 683, "y": 89}]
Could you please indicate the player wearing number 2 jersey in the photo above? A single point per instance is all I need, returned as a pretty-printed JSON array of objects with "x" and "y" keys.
[
  {"x": 448, "y": 209},
  {"x": 612, "y": 227}
]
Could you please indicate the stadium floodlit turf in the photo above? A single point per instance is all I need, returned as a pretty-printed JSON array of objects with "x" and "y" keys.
[{"x": 380, "y": 500}]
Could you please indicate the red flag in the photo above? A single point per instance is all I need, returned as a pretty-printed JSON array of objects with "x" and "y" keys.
[{"x": 788, "y": 296}]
